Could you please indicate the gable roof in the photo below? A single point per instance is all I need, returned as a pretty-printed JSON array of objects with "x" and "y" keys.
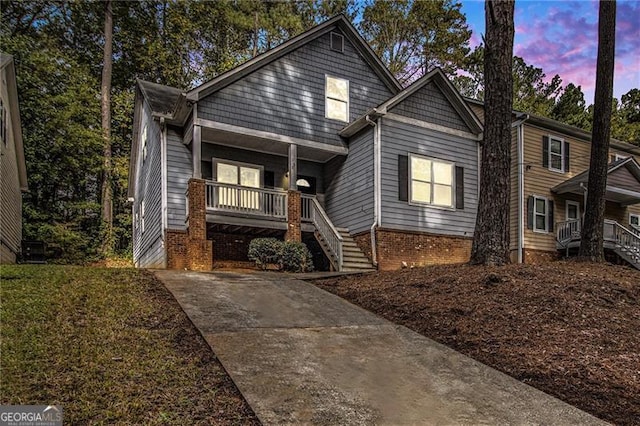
[
  {"x": 162, "y": 99},
  {"x": 6, "y": 64},
  {"x": 339, "y": 21},
  {"x": 436, "y": 76},
  {"x": 576, "y": 183}
]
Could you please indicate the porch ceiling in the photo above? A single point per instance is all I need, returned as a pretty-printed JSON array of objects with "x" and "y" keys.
[{"x": 271, "y": 144}]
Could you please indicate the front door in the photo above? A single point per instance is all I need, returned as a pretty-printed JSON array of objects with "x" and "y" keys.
[{"x": 572, "y": 212}]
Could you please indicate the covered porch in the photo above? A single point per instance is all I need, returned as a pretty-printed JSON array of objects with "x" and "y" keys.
[
  {"x": 263, "y": 184},
  {"x": 621, "y": 234}
]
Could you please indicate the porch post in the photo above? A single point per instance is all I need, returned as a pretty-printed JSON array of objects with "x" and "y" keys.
[
  {"x": 294, "y": 202},
  {"x": 196, "y": 152},
  {"x": 293, "y": 167},
  {"x": 199, "y": 249}
]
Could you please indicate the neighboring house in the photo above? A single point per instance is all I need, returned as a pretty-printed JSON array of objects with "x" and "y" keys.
[
  {"x": 13, "y": 171},
  {"x": 312, "y": 141},
  {"x": 549, "y": 175}
]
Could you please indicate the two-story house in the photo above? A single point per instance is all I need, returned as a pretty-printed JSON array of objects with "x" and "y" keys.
[
  {"x": 549, "y": 176},
  {"x": 13, "y": 171},
  {"x": 314, "y": 140}
]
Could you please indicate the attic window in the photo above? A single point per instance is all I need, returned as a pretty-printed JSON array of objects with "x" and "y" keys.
[{"x": 337, "y": 42}]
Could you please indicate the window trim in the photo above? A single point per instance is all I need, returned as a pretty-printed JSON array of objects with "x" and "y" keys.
[
  {"x": 410, "y": 180},
  {"x": 566, "y": 209},
  {"x": 536, "y": 214},
  {"x": 327, "y": 98},
  {"x": 214, "y": 172},
  {"x": 550, "y": 154}
]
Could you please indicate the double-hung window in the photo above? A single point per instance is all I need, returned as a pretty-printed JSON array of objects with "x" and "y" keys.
[
  {"x": 431, "y": 181},
  {"x": 634, "y": 221},
  {"x": 237, "y": 175},
  {"x": 336, "y": 98},
  {"x": 540, "y": 214},
  {"x": 556, "y": 154}
]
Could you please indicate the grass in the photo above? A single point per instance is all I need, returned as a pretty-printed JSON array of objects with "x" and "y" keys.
[{"x": 109, "y": 345}]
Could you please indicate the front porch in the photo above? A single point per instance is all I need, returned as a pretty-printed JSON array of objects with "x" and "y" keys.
[{"x": 625, "y": 242}]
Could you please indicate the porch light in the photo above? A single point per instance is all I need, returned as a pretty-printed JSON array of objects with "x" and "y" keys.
[{"x": 303, "y": 183}]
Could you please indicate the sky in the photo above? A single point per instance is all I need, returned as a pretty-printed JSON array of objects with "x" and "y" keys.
[{"x": 561, "y": 37}]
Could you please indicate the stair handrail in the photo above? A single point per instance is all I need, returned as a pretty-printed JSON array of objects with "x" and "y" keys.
[
  {"x": 329, "y": 232},
  {"x": 626, "y": 239}
]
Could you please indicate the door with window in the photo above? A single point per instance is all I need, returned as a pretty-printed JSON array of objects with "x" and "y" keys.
[
  {"x": 238, "y": 178},
  {"x": 572, "y": 213}
]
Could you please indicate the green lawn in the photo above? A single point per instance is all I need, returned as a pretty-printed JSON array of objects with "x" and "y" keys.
[{"x": 109, "y": 345}]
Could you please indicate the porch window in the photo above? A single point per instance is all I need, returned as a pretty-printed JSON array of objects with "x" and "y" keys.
[
  {"x": 238, "y": 174},
  {"x": 431, "y": 181},
  {"x": 634, "y": 220},
  {"x": 337, "y": 98}
]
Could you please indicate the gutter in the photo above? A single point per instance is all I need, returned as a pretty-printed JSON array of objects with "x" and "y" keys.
[{"x": 519, "y": 124}]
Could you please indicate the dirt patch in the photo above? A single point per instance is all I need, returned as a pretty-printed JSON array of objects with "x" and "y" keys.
[{"x": 569, "y": 329}]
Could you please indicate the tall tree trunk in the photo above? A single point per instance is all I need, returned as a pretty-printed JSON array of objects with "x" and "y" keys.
[
  {"x": 491, "y": 237},
  {"x": 105, "y": 105},
  {"x": 592, "y": 243}
]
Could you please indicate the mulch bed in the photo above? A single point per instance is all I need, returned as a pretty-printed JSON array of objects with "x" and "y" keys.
[{"x": 569, "y": 329}]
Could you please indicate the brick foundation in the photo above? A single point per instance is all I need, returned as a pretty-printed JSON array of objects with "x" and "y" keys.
[
  {"x": 190, "y": 249},
  {"x": 535, "y": 257},
  {"x": 294, "y": 215},
  {"x": 419, "y": 249}
]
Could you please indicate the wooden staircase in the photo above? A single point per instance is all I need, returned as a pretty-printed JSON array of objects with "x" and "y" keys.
[{"x": 353, "y": 259}]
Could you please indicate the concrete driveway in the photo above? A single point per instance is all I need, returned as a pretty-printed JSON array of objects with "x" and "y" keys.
[{"x": 301, "y": 355}]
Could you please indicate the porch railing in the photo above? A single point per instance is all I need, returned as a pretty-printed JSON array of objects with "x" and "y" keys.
[
  {"x": 568, "y": 231},
  {"x": 328, "y": 232},
  {"x": 626, "y": 241},
  {"x": 229, "y": 198}
]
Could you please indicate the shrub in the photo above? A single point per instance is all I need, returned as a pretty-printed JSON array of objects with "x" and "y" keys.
[
  {"x": 265, "y": 251},
  {"x": 295, "y": 257}
]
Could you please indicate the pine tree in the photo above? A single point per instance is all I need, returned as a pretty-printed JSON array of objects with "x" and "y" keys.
[
  {"x": 592, "y": 242},
  {"x": 491, "y": 237}
]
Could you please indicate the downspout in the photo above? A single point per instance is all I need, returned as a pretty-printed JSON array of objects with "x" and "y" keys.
[
  {"x": 520, "y": 147},
  {"x": 163, "y": 162},
  {"x": 376, "y": 187}
]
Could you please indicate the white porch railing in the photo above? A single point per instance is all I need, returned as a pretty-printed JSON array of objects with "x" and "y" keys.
[
  {"x": 322, "y": 223},
  {"x": 223, "y": 197},
  {"x": 623, "y": 241},
  {"x": 568, "y": 231}
]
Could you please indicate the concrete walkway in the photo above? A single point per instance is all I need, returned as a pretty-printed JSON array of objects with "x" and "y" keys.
[{"x": 300, "y": 355}]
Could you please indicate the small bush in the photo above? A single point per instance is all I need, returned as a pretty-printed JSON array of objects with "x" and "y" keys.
[
  {"x": 288, "y": 256},
  {"x": 265, "y": 251},
  {"x": 295, "y": 257}
]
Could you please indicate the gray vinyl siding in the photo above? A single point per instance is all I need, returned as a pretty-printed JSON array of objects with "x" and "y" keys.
[
  {"x": 10, "y": 194},
  {"x": 148, "y": 245},
  {"x": 179, "y": 171},
  {"x": 430, "y": 104},
  {"x": 349, "y": 197},
  {"x": 287, "y": 96},
  {"x": 402, "y": 139},
  {"x": 274, "y": 163}
]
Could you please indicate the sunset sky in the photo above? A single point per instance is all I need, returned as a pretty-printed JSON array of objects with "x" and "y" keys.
[{"x": 561, "y": 37}]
